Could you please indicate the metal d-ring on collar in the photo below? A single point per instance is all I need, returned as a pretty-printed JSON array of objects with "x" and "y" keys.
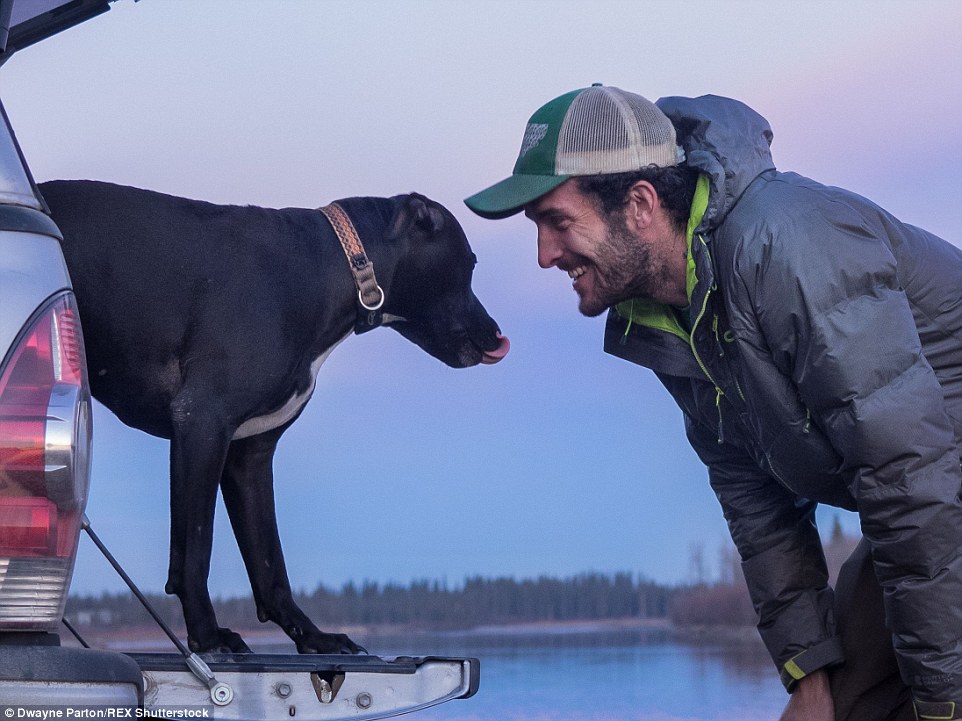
[{"x": 370, "y": 295}]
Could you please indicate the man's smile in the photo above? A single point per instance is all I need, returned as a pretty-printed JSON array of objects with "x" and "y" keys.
[{"x": 579, "y": 281}]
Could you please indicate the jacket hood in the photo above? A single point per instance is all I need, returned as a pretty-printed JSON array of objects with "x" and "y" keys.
[{"x": 725, "y": 139}]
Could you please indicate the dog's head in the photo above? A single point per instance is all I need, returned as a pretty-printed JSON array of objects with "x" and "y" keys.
[{"x": 430, "y": 301}]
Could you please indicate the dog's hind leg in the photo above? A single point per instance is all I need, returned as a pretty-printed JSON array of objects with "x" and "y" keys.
[
  {"x": 248, "y": 488},
  {"x": 197, "y": 451}
]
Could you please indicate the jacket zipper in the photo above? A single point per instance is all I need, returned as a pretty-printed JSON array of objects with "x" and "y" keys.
[
  {"x": 701, "y": 364},
  {"x": 719, "y": 392},
  {"x": 720, "y": 342}
]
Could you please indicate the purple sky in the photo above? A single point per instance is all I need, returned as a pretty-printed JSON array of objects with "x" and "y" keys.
[{"x": 561, "y": 459}]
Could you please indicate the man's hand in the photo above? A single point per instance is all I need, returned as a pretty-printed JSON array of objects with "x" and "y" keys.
[{"x": 811, "y": 700}]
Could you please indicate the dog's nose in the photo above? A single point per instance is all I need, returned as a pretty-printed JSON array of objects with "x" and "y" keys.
[{"x": 493, "y": 356}]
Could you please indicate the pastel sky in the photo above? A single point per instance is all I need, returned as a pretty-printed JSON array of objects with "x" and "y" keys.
[{"x": 561, "y": 459}]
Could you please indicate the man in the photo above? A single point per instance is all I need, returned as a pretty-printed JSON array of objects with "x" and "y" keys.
[{"x": 814, "y": 345}]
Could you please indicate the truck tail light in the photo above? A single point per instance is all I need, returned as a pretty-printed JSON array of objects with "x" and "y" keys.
[{"x": 44, "y": 466}]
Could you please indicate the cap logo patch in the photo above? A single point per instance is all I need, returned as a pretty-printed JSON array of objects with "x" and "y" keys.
[{"x": 533, "y": 135}]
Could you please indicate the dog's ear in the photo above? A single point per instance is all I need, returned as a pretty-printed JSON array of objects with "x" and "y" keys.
[{"x": 416, "y": 211}]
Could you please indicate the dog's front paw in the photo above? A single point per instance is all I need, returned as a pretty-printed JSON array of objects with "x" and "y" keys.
[
  {"x": 320, "y": 642},
  {"x": 224, "y": 641}
]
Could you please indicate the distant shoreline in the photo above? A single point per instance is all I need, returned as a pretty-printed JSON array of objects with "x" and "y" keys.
[{"x": 150, "y": 638}]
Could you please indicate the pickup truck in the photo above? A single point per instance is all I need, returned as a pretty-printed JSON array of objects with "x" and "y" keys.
[{"x": 45, "y": 437}]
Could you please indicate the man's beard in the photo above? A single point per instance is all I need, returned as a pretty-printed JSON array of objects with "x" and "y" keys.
[{"x": 623, "y": 269}]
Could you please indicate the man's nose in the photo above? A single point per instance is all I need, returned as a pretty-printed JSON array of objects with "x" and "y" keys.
[{"x": 549, "y": 250}]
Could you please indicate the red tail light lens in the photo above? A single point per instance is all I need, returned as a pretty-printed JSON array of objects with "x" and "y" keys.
[{"x": 44, "y": 466}]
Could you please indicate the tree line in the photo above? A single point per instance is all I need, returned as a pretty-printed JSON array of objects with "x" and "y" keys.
[
  {"x": 486, "y": 601},
  {"x": 429, "y": 604}
]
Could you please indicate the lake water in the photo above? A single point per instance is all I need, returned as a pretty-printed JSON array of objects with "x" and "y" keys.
[{"x": 603, "y": 677}]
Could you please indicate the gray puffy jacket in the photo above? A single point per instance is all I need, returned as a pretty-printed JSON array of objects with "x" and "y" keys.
[{"x": 824, "y": 366}]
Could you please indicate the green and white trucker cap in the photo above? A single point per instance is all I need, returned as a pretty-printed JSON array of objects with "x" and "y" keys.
[{"x": 591, "y": 131}]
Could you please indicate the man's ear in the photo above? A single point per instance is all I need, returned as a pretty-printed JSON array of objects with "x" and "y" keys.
[
  {"x": 416, "y": 211},
  {"x": 640, "y": 208}
]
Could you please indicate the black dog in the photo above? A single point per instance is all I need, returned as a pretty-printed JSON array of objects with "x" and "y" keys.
[{"x": 206, "y": 325}]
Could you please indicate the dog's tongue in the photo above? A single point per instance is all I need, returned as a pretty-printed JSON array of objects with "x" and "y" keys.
[{"x": 493, "y": 356}]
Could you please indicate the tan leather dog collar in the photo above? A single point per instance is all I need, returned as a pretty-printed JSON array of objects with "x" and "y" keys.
[{"x": 370, "y": 295}]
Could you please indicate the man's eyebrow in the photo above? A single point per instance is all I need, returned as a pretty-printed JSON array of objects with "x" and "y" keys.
[{"x": 539, "y": 213}]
